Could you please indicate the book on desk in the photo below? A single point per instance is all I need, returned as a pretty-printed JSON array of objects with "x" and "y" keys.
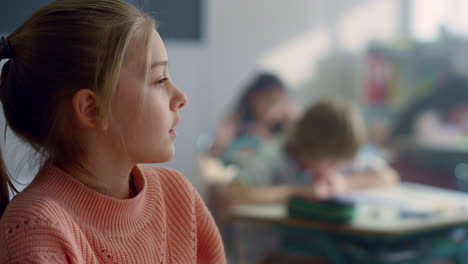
[
  {"x": 404, "y": 201},
  {"x": 408, "y": 223},
  {"x": 390, "y": 214}
]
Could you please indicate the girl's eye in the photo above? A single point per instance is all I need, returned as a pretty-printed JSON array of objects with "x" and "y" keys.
[{"x": 161, "y": 81}]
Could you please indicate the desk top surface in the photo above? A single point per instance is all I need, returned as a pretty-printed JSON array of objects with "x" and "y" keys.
[{"x": 444, "y": 209}]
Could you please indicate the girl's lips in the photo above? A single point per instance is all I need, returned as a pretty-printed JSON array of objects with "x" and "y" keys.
[{"x": 172, "y": 132}]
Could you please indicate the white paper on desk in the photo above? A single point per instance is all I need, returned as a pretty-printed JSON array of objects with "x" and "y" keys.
[{"x": 411, "y": 199}]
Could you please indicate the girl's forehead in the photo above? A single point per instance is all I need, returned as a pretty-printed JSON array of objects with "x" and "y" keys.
[
  {"x": 157, "y": 48},
  {"x": 137, "y": 53}
]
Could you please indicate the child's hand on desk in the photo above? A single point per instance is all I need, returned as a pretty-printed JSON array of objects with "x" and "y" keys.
[
  {"x": 317, "y": 190},
  {"x": 325, "y": 186},
  {"x": 336, "y": 182}
]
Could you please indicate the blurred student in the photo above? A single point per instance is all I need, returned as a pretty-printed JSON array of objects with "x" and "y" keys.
[
  {"x": 264, "y": 110},
  {"x": 323, "y": 155}
]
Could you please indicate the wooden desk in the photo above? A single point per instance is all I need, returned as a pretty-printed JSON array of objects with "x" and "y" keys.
[
  {"x": 375, "y": 235},
  {"x": 277, "y": 214}
]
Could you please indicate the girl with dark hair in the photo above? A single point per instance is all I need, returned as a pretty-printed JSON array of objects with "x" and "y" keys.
[{"x": 263, "y": 110}]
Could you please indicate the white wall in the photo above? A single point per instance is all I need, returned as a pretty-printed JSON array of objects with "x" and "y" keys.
[{"x": 188, "y": 68}]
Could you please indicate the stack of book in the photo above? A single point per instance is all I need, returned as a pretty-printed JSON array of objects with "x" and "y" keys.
[{"x": 329, "y": 211}]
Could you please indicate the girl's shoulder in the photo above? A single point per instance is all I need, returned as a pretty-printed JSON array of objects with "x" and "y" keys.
[
  {"x": 32, "y": 213},
  {"x": 31, "y": 204}
]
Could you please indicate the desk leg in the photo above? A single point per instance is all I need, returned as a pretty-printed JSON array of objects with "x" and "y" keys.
[
  {"x": 238, "y": 251},
  {"x": 332, "y": 250},
  {"x": 460, "y": 258},
  {"x": 231, "y": 242}
]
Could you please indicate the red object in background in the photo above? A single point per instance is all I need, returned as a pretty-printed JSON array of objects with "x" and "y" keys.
[{"x": 378, "y": 80}]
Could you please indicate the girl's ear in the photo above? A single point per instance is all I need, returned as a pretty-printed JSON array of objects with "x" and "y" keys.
[{"x": 86, "y": 109}]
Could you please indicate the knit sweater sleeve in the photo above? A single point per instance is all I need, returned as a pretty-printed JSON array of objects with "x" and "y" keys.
[
  {"x": 209, "y": 244},
  {"x": 34, "y": 241}
]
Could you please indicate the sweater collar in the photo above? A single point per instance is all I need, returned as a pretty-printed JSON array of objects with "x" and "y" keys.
[{"x": 96, "y": 210}]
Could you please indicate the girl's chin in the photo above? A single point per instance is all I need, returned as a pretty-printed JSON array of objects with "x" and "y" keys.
[
  {"x": 159, "y": 157},
  {"x": 168, "y": 156}
]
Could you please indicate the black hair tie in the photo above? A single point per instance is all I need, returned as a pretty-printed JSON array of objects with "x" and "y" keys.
[{"x": 6, "y": 52}]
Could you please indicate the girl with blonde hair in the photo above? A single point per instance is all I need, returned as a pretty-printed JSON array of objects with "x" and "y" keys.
[{"x": 86, "y": 84}]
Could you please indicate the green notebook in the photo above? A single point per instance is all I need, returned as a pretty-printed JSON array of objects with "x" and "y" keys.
[{"x": 330, "y": 211}]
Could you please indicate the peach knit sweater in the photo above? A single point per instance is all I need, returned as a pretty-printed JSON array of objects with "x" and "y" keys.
[{"x": 57, "y": 219}]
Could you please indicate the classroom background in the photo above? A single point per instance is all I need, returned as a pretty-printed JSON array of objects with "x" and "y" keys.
[{"x": 382, "y": 55}]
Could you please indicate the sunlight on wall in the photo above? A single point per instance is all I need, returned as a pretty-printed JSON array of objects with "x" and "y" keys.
[
  {"x": 429, "y": 15},
  {"x": 375, "y": 20},
  {"x": 295, "y": 58}
]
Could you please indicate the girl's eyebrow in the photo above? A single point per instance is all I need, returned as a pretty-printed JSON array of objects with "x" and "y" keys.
[{"x": 159, "y": 63}]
